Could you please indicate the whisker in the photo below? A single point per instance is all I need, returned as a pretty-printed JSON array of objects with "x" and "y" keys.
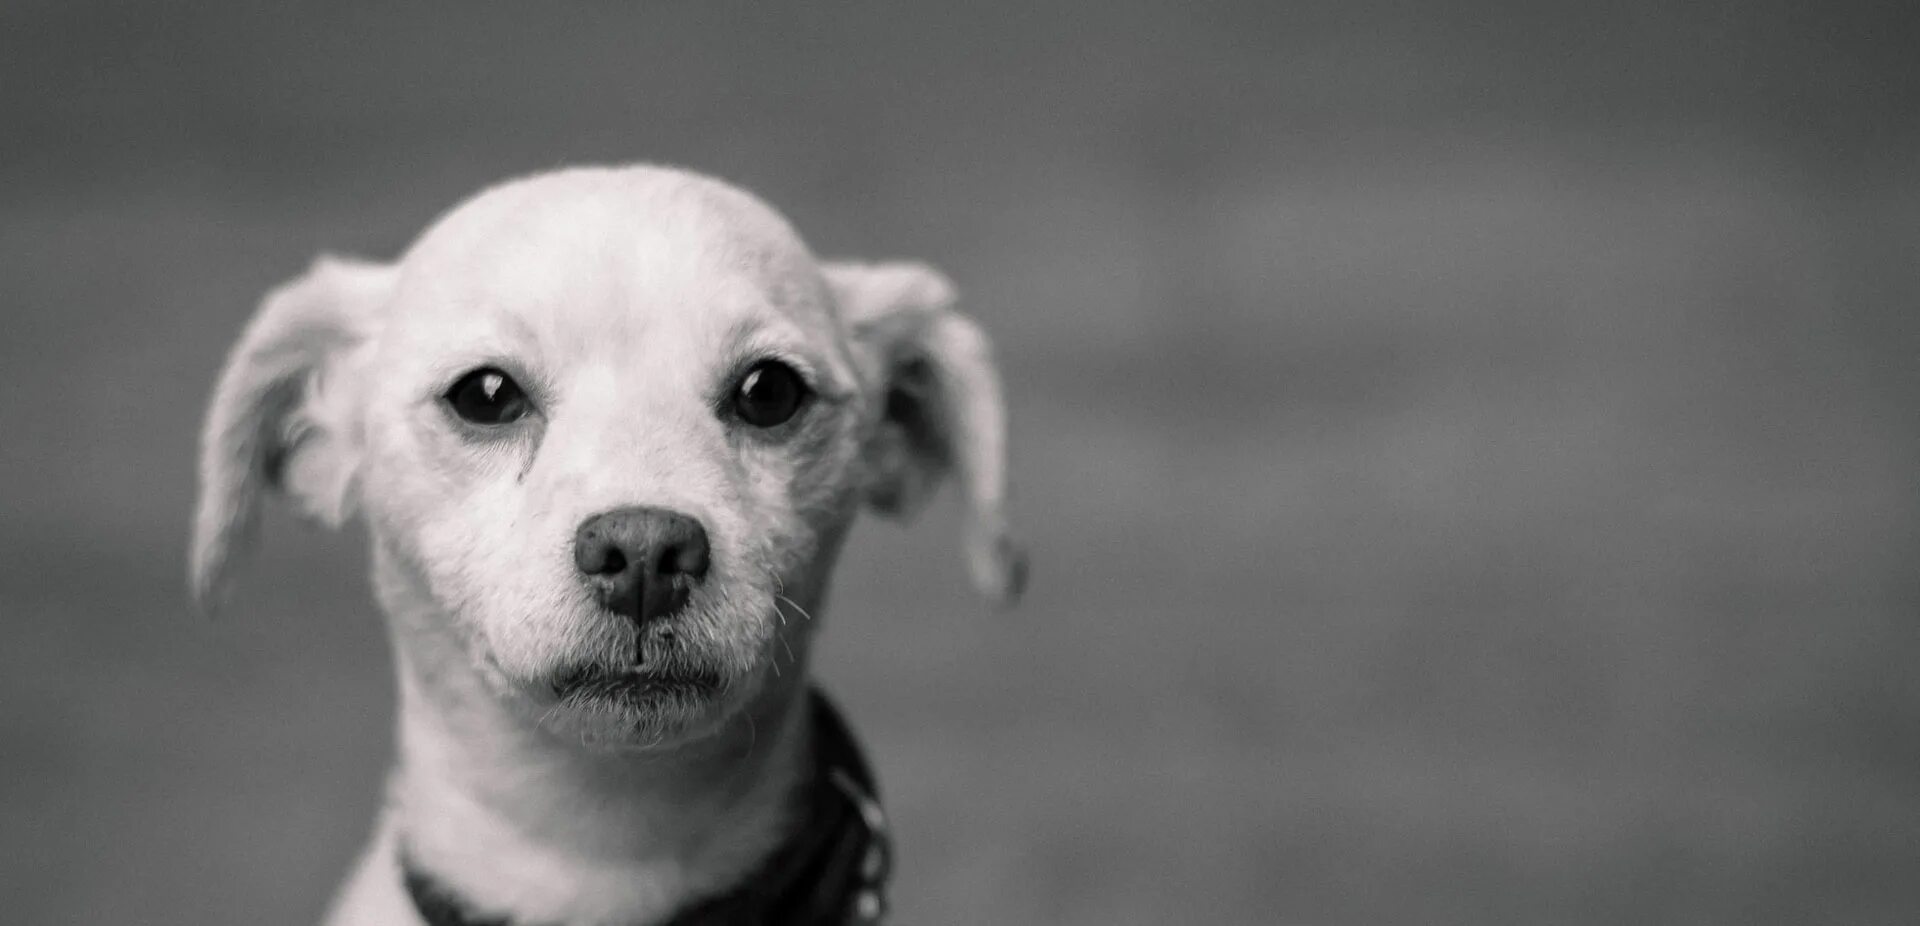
[{"x": 796, "y": 606}]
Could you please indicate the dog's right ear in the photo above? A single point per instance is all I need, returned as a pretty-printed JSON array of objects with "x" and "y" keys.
[{"x": 284, "y": 413}]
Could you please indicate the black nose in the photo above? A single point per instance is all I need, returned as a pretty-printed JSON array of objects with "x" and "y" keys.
[{"x": 641, "y": 562}]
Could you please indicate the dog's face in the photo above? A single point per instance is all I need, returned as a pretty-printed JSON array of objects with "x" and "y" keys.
[{"x": 608, "y": 428}]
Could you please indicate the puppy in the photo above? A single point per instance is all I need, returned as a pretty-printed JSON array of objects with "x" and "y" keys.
[{"x": 607, "y": 429}]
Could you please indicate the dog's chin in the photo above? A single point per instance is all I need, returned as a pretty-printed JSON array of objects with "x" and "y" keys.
[{"x": 641, "y": 707}]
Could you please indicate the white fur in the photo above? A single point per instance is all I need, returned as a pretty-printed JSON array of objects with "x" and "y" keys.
[{"x": 622, "y": 299}]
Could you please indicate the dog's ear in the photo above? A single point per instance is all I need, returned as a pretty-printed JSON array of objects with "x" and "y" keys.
[
  {"x": 931, "y": 371},
  {"x": 282, "y": 415}
]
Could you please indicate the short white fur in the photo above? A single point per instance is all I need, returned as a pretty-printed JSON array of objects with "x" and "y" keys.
[{"x": 622, "y": 300}]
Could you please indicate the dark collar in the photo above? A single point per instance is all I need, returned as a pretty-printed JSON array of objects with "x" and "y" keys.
[{"x": 832, "y": 870}]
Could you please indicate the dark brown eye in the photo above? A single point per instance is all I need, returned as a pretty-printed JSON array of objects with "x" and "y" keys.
[
  {"x": 488, "y": 397},
  {"x": 769, "y": 395}
]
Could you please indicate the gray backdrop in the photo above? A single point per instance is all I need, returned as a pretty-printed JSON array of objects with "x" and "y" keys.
[{"x": 1469, "y": 453}]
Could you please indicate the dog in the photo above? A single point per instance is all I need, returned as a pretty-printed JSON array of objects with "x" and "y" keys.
[{"x": 607, "y": 429}]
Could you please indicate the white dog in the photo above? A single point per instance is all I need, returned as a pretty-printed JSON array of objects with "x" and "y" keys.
[{"x": 607, "y": 429}]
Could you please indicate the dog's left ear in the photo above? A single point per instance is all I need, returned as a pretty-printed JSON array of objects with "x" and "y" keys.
[
  {"x": 931, "y": 370},
  {"x": 282, "y": 415}
]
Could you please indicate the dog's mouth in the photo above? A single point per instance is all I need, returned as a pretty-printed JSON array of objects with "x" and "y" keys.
[{"x": 596, "y": 685}]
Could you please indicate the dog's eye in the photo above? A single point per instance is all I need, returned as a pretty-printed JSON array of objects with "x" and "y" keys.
[
  {"x": 488, "y": 396},
  {"x": 769, "y": 395}
]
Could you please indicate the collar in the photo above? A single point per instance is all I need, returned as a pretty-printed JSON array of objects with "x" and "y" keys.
[{"x": 831, "y": 872}]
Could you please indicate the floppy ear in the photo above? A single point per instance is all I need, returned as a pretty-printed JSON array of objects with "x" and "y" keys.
[
  {"x": 280, "y": 417},
  {"x": 931, "y": 369}
]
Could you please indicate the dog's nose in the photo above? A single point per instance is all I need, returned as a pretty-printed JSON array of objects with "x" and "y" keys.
[{"x": 641, "y": 562}]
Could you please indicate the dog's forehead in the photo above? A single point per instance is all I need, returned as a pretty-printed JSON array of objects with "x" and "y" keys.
[{"x": 608, "y": 249}]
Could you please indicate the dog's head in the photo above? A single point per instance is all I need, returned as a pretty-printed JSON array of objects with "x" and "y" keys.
[{"x": 607, "y": 428}]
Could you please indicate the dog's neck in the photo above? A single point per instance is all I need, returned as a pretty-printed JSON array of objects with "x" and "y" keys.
[{"x": 519, "y": 819}]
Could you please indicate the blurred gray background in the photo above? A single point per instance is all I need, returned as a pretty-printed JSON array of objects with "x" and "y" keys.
[{"x": 1469, "y": 452}]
